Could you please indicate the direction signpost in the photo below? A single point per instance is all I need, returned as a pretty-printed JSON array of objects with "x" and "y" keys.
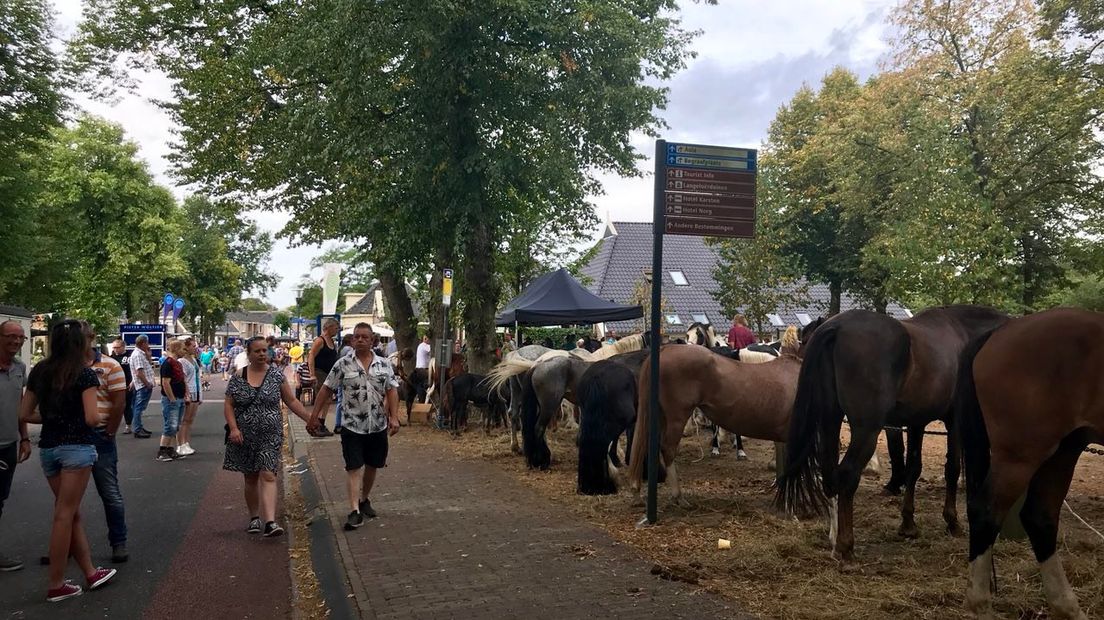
[{"x": 700, "y": 190}]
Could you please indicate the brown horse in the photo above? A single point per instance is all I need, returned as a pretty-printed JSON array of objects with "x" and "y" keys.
[
  {"x": 754, "y": 400},
  {"x": 875, "y": 371},
  {"x": 1028, "y": 405}
]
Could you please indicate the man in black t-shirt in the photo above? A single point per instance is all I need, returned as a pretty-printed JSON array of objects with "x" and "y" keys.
[{"x": 119, "y": 354}]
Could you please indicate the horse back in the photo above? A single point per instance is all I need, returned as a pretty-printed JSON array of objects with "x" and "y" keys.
[
  {"x": 937, "y": 338},
  {"x": 1036, "y": 389}
]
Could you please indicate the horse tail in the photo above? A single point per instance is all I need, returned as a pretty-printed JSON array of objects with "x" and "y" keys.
[
  {"x": 800, "y": 490},
  {"x": 530, "y": 410},
  {"x": 506, "y": 369},
  {"x": 639, "y": 449},
  {"x": 447, "y": 397},
  {"x": 970, "y": 424},
  {"x": 594, "y": 477}
]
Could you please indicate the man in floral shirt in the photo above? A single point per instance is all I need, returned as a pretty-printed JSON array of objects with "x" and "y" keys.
[{"x": 369, "y": 415}]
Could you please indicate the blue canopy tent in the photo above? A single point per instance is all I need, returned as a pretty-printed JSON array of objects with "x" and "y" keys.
[{"x": 558, "y": 299}]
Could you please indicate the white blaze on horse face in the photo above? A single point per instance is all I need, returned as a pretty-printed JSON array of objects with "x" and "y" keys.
[
  {"x": 833, "y": 521},
  {"x": 978, "y": 592},
  {"x": 1057, "y": 589}
]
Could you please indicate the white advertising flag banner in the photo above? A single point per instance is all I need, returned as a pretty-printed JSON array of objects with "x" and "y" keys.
[{"x": 331, "y": 277}]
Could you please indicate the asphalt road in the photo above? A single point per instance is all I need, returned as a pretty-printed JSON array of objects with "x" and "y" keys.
[{"x": 187, "y": 543}]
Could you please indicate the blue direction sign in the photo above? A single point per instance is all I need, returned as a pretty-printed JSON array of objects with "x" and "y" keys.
[{"x": 706, "y": 157}]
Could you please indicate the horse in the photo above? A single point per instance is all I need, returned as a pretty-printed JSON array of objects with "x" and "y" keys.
[
  {"x": 457, "y": 365},
  {"x": 467, "y": 387},
  {"x": 746, "y": 399},
  {"x": 545, "y": 382},
  {"x": 498, "y": 376},
  {"x": 1024, "y": 420},
  {"x": 407, "y": 390},
  {"x": 874, "y": 370},
  {"x": 607, "y": 398}
]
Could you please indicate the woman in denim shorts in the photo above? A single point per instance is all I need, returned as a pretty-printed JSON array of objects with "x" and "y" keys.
[{"x": 62, "y": 388}]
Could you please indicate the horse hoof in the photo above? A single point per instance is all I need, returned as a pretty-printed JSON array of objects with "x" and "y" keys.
[
  {"x": 741, "y": 455},
  {"x": 909, "y": 531},
  {"x": 714, "y": 452},
  {"x": 891, "y": 489}
]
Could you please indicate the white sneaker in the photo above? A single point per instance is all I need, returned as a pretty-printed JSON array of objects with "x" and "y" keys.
[{"x": 185, "y": 449}]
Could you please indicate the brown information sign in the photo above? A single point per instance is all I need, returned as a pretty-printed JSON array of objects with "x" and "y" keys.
[{"x": 709, "y": 227}]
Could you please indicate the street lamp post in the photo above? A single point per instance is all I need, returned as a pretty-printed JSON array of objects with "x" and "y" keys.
[{"x": 298, "y": 320}]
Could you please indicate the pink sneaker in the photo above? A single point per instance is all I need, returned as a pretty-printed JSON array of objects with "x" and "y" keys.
[
  {"x": 67, "y": 590},
  {"x": 100, "y": 577}
]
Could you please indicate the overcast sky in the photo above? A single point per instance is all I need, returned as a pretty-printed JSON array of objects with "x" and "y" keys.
[{"x": 752, "y": 57}]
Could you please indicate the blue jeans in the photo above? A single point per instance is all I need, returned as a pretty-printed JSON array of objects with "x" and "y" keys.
[
  {"x": 141, "y": 401},
  {"x": 106, "y": 475},
  {"x": 171, "y": 411}
]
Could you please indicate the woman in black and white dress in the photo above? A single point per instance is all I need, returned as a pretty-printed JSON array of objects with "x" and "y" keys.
[{"x": 255, "y": 432}]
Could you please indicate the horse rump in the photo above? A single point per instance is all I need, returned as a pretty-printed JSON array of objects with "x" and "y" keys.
[
  {"x": 800, "y": 488},
  {"x": 607, "y": 396}
]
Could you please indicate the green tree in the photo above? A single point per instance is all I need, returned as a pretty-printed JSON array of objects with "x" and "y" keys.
[
  {"x": 282, "y": 320},
  {"x": 254, "y": 304},
  {"x": 31, "y": 102},
  {"x": 419, "y": 128},
  {"x": 799, "y": 156},
  {"x": 212, "y": 285},
  {"x": 107, "y": 237},
  {"x": 1001, "y": 159}
]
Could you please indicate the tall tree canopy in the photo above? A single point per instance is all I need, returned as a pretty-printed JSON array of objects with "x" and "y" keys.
[{"x": 421, "y": 128}]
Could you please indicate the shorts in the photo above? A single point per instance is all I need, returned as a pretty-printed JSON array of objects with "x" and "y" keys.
[
  {"x": 78, "y": 456},
  {"x": 368, "y": 449}
]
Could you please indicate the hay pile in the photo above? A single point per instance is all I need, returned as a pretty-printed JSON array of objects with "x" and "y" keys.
[{"x": 779, "y": 567}]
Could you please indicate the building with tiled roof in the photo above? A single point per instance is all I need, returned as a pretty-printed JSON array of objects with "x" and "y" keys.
[{"x": 624, "y": 255}]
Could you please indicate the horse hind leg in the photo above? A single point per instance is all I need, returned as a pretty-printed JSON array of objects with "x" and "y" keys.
[
  {"x": 952, "y": 469},
  {"x": 863, "y": 443},
  {"x": 1040, "y": 515},
  {"x": 986, "y": 510},
  {"x": 913, "y": 467},
  {"x": 895, "y": 445},
  {"x": 738, "y": 443},
  {"x": 715, "y": 444}
]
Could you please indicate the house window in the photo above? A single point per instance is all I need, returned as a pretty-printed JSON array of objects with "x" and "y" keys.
[
  {"x": 679, "y": 279},
  {"x": 775, "y": 320},
  {"x": 674, "y": 319},
  {"x": 804, "y": 319},
  {"x": 700, "y": 318}
]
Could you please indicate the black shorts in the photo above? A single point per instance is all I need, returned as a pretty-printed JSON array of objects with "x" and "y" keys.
[{"x": 360, "y": 450}]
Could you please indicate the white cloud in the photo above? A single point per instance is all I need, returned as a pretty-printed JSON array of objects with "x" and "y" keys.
[{"x": 752, "y": 57}]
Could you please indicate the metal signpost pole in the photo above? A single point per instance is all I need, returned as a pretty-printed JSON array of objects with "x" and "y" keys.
[
  {"x": 657, "y": 280},
  {"x": 444, "y": 352},
  {"x": 700, "y": 190}
]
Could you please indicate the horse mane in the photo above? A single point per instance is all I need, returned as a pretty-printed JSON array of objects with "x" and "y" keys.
[{"x": 628, "y": 344}]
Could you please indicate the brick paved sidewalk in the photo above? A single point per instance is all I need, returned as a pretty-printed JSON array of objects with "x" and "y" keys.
[{"x": 462, "y": 539}]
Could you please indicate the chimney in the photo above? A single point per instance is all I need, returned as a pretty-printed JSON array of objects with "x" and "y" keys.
[{"x": 351, "y": 299}]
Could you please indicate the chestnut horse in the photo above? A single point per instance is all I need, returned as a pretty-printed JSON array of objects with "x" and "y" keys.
[
  {"x": 745, "y": 399},
  {"x": 875, "y": 371},
  {"x": 1028, "y": 405}
]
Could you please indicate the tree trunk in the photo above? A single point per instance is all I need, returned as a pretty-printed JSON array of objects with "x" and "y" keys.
[
  {"x": 400, "y": 311},
  {"x": 480, "y": 298},
  {"x": 835, "y": 288}
]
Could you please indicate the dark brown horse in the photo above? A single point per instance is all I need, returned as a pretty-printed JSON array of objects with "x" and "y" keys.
[
  {"x": 875, "y": 371},
  {"x": 754, "y": 400},
  {"x": 1028, "y": 405}
]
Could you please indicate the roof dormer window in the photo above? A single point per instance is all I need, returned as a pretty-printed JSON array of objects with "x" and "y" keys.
[{"x": 679, "y": 278}]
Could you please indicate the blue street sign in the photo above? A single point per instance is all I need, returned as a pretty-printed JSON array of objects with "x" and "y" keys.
[{"x": 705, "y": 157}]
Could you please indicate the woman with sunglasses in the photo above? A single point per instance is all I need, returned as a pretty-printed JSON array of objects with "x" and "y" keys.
[{"x": 61, "y": 396}]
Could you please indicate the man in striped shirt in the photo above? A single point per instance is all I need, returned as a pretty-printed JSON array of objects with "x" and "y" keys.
[
  {"x": 141, "y": 372},
  {"x": 110, "y": 399}
]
